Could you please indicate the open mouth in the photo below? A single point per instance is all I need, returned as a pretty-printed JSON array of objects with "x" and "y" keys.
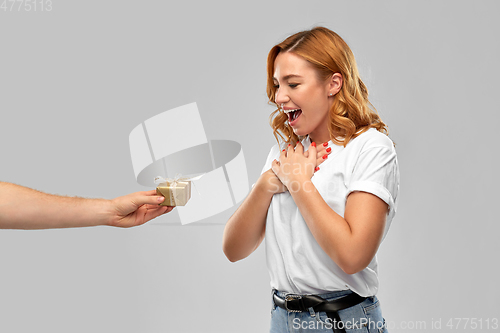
[{"x": 293, "y": 115}]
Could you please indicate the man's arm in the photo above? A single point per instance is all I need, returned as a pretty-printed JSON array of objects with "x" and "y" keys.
[{"x": 25, "y": 208}]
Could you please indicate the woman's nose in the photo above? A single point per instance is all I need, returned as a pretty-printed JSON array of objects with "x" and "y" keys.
[{"x": 281, "y": 97}]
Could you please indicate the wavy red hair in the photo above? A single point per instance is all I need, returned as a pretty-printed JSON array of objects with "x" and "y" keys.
[{"x": 351, "y": 113}]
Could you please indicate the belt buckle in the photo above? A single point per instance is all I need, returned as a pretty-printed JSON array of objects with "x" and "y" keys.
[{"x": 291, "y": 297}]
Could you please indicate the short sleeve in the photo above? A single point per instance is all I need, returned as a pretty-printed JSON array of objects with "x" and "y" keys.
[
  {"x": 273, "y": 154},
  {"x": 377, "y": 172}
]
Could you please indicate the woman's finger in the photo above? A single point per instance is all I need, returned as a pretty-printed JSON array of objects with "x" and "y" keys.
[
  {"x": 321, "y": 159},
  {"x": 322, "y": 153},
  {"x": 299, "y": 148},
  {"x": 290, "y": 149},
  {"x": 275, "y": 166},
  {"x": 313, "y": 157},
  {"x": 283, "y": 154}
]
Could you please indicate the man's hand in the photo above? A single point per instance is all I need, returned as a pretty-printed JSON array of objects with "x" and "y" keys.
[{"x": 136, "y": 208}]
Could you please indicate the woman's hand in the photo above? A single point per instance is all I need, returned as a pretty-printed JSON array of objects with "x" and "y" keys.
[
  {"x": 270, "y": 183},
  {"x": 322, "y": 152},
  {"x": 294, "y": 167}
]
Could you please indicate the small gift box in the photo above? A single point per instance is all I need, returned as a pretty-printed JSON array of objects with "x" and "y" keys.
[{"x": 177, "y": 191}]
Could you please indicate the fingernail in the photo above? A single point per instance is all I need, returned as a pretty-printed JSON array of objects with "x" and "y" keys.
[
  {"x": 328, "y": 149},
  {"x": 316, "y": 168},
  {"x": 325, "y": 144},
  {"x": 289, "y": 144},
  {"x": 325, "y": 156},
  {"x": 283, "y": 150},
  {"x": 313, "y": 144},
  {"x": 160, "y": 199}
]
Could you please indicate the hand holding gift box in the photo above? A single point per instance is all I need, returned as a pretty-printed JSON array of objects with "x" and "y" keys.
[{"x": 177, "y": 191}]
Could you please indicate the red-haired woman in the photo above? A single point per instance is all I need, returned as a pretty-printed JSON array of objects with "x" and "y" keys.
[{"x": 323, "y": 218}]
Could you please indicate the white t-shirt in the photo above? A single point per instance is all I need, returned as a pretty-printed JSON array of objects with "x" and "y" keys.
[{"x": 296, "y": 262}]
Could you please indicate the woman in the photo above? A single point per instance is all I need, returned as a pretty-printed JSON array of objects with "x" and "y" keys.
[{"x": 323, "y": 222}]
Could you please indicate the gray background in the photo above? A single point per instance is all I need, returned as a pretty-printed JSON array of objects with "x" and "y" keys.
[{"x": 75, "y": 81}]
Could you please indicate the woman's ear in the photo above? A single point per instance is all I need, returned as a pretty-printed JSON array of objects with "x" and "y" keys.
[{"x": 335, "y": 84}]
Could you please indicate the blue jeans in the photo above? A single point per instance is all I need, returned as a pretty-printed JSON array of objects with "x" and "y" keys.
[{"x": 366, "y": 317}]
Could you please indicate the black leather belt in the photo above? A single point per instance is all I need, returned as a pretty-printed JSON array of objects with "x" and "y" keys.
[{"x": 302, "y": 303}]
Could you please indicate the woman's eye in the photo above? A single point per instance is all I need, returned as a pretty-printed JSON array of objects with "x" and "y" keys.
[
  {"x": 276, "y": 86},
  {"x": 293, "y": 85}
]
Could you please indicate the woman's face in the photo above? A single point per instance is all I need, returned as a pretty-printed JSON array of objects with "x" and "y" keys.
[{"x": 298, "y": 89}]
